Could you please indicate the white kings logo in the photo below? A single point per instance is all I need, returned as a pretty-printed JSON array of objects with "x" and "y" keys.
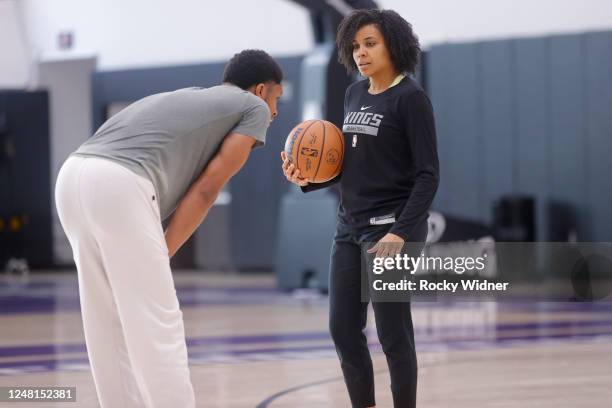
[{"x": 362, "y": 122}]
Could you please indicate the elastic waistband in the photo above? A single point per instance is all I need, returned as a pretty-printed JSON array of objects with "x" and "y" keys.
[{"x": 106, "y": 161}]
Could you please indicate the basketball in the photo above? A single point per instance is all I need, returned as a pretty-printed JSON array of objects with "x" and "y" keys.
[{"x": 316, "y": 148}]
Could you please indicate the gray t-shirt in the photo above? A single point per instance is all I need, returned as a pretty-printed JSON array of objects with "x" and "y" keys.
[{"x": 169, "y": 138}]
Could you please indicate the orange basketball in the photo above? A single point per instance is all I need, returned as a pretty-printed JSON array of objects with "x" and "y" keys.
[{"x": 316, "y": 147}]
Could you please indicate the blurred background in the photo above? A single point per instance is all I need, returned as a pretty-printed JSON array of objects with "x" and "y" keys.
[{"x": 521, "y": 90}]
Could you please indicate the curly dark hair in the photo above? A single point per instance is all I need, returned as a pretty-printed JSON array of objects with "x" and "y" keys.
[
  {"x": 400, "y": 40},
  {"x": 252, "y": 67}
]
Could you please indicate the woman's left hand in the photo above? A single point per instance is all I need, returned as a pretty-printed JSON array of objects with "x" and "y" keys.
[{"x": 389, "y": 246}]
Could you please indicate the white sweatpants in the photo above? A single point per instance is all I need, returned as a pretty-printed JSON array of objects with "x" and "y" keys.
[{"x": 131, "y": 317}]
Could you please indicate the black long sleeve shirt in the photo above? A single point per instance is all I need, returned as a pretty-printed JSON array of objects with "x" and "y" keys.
[{"x": 390, "y": 170}]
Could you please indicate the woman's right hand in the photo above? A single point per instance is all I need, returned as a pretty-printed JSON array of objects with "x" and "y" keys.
[{"x": 291, "y": 173}]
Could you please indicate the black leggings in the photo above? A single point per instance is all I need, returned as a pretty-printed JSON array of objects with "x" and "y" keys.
[{"x": 348, "y": 318}]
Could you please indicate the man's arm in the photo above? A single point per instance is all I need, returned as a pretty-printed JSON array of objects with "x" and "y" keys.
[{"x": 194, "y": 206}]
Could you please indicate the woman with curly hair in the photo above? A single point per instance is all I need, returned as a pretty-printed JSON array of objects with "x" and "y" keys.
[{"x": 388, "y": 181}]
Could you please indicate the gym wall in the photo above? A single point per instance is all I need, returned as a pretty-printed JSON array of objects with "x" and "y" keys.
[
  {"x": 15, "y": 54},
  {"x": 526, "y": 116},
  {"x": 141, "y": 33}
]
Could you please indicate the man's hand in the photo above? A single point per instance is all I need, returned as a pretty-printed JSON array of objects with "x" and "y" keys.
[
  {"x": 388, "y": 246},
  {"x": 291, "y": 173}
]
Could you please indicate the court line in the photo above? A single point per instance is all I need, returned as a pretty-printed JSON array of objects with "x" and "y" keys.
[
  {"x": 47, "y": 349},
  {"x": 51, "y": 297},
  {"x": 273, "y": 353},
  {"x": 267, "y": 401},
  {"x": 30, "y": 304}
]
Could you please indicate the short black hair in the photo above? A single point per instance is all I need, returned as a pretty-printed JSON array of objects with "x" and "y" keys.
[
  {"x": 251, "y": 67},
  {"x": 400, "y": 40}
]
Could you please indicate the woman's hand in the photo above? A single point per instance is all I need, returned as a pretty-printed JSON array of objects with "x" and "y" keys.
[
  {"x": 292, "y": 174},
  {"x": 388, "y": 246}
]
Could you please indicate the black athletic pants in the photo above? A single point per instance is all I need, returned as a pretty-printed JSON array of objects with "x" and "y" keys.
[{"x": 348, "y": 318}]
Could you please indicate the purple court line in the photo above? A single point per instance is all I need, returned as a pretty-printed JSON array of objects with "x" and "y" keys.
[
  {"x": 21, "y": 305},
  {"x": 23, "y": 351},
  {"x": 26, "y": 303},
  {"x": 542, "y": 306},
  {"x": 20, "y": 301},
  {"x": 430, "y": 346},
  {"x": 30, "y": 304},
  {"x": 72, "y": 284},
  {"x": 185, "y": 288},
  {"x": 50, "y": 364}
]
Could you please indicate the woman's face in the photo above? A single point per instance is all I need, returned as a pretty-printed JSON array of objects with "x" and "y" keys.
[{"x": 370, "y": 52}]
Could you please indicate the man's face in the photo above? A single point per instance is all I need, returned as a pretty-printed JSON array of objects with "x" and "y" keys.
[{"x": 270, "y": 92}]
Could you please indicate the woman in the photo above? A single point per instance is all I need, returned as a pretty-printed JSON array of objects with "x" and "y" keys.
[{"x": 388, "y": 181}]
